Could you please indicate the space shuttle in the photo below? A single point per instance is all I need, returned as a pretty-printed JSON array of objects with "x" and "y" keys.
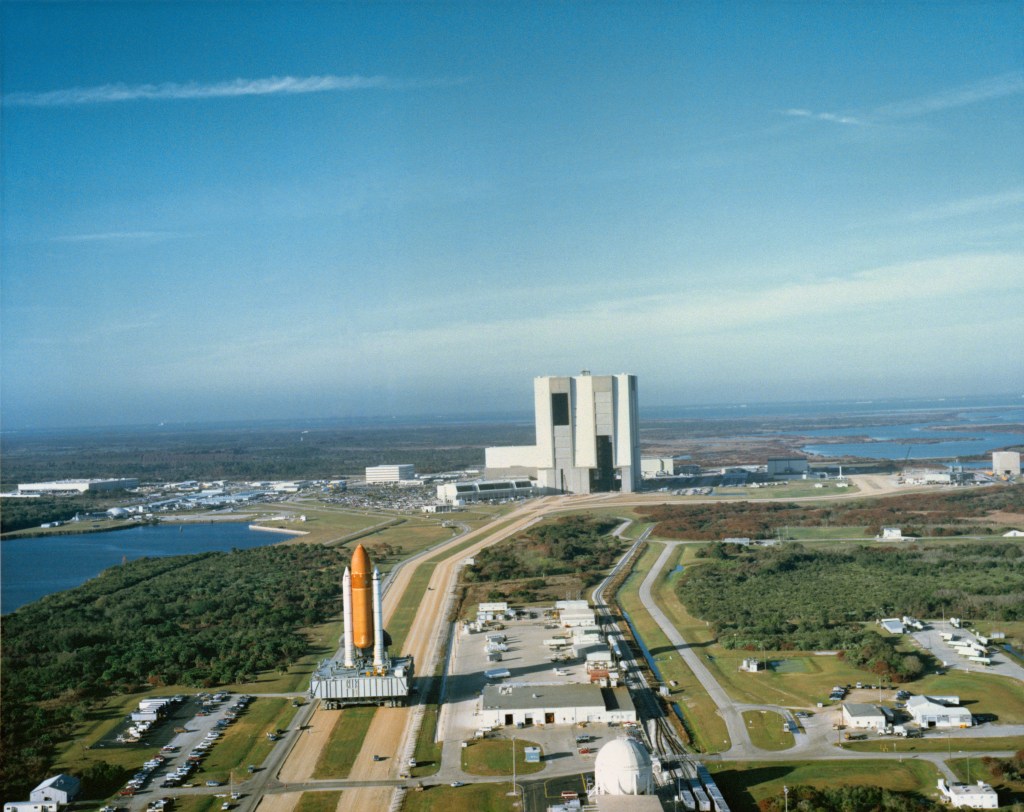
[{"x": 365, "y": 641}]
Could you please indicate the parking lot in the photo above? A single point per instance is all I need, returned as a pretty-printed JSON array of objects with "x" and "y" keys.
[
  {"x": 190, "y": 734},
  {"x": 528, "y": 660}
]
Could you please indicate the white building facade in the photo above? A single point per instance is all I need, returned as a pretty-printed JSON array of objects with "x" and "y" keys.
[
  {"x": 588, "y": 436},
  {"x": 1006, "y": 463},
  {"x": 390, "y": 473}
]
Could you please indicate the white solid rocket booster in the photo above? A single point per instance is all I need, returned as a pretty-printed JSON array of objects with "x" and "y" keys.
[
  {"x": 378, "y": 622},
  {"x": 346, "y": 605}
]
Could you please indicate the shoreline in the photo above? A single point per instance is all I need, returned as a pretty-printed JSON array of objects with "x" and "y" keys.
[{"x": 265, "y": 529}]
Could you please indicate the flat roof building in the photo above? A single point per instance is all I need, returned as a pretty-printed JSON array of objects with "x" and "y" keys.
[
  {"x": 78, "y": 486},
  {"x": 860, "y": 715},
  {"x": 454, "y": 493},
  {"x": 390, "y": 473},
  {"x": 587, "y": 435},
  {"x": 523, "y": 704},
  {"x": 975, "y": 796}
]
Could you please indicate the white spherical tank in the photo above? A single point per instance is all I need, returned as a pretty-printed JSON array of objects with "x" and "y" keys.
[{"x": 622, "y": 767}]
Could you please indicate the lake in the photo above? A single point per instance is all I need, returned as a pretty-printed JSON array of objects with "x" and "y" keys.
[{"x": 33, "y": 567}]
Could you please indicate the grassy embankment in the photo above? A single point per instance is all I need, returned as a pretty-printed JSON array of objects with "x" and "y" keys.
[
  {"x": 936, "y": 744},
  {"x": 340, "y": 752},
  {"x": 767, "y": 730},
  {"x": 745, "y": 783},
  {"x": 442, "y": 798},
  {"x": 705, "y": 725},
  {"x": 494, "y": 757}
]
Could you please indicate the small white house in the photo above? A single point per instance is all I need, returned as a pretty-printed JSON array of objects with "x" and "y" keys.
[
  {"x": 976, "y": 796},
  {"x": 862, "y": 716},
  {"x": 61, "y": 789}
]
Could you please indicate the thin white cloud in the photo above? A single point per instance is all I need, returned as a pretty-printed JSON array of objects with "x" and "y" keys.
[
  {"x": 970, "y": 205},
  {"x": 993, "y": 87},
  {"x": 115, "y": 236},
  {"x": 270, "y": 86},
  {"x": 834, "y": 118}
]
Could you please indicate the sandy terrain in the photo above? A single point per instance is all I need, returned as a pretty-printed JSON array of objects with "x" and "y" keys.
[
  {"x": 282, "y": 802},
  {"x": 303, "y": 757}
]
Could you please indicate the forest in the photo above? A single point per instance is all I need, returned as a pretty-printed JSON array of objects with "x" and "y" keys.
[
  {"x": 790, "y": 597},
  {"x": 933, "y": 514},
  {"x": 301, "y": 450},
  {"x": 577, "y": 545},
  {"x": 197, "y": 620}
]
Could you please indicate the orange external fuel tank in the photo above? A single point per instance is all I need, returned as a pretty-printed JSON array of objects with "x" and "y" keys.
[{"x": 362, "y": 599}]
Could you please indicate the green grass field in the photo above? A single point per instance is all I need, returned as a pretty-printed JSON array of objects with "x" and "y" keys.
[
  {"x": 744, "y": 784},
  {"x": 245, "y": 742},
  {"x": 476, "y": 797},
  {"x": 935, "y": 744},
  {"x": 767, "y": 730},
  {"x": 409, "y": 605},
  {"x": 707, "y": 727},
  {"x": 339, "y": 754},
  {"x": 494, "y": 757},
  {"x": 318, "y": 802}
]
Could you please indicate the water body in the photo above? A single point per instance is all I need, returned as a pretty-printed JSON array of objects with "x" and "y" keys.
[
  {"x": 34, "y": 567},
  {"x": 946, "y": 438}
]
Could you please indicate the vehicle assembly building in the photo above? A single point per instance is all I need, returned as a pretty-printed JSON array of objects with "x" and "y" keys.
[
  {"x": 588, "y": 436},
  {"x": 365, "y": 674}
]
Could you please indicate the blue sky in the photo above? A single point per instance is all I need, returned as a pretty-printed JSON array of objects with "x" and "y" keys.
[{"x": 271, "y": 210}]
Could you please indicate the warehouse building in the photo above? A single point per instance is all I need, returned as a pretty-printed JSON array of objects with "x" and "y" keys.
[
  {"x": 587, "y": 435},
  {"x": 520, "y": 705},
  {"x": 78, "y": 486},
  {"x": 787, "y": 467},
  {"x": 861, "y": 716},
  {"x": 390, "y": 473},
  {"x": 457, "y": 493},
  {"x": 938, "y": 711}
]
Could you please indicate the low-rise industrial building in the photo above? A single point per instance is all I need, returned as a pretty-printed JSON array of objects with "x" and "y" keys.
[
  {"x": 78, "y": 486},
  {"x": 938, "y": 711},
  {"x": 390, "y": 473},
  {"x": 975, "y": 796},
  {"x": 787, "y": 467},
  {"x": 571, "y": 704},
  {"x": 862, "y": 716},
  {"x": 456, "y": 493},
  {"x": 575, "y": 613}
]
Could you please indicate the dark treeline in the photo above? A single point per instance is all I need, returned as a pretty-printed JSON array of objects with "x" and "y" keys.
[
  {"x": 295, "y": 451},
  {"x": 572, "y": 545},
  {"x": 792, "y": 597},
  {"x": 19, "y": 514},
  {"x": 198, "y": 620},
  {"x": 927, "y": 514},
  {"x": 804, "y": 798}
]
